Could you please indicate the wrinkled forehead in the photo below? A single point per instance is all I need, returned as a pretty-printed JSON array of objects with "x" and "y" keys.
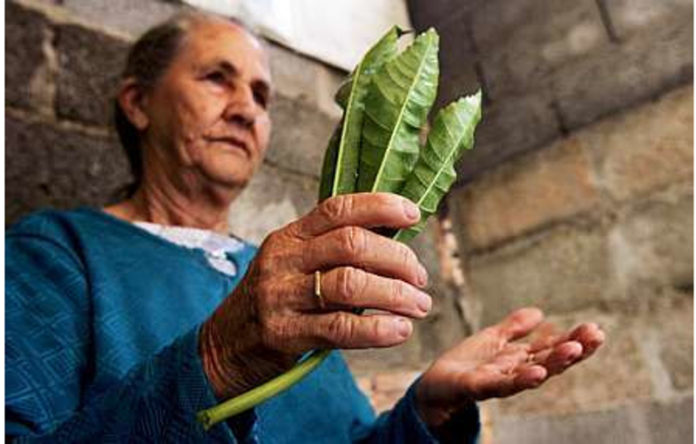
[{"x": 218, "y": 38}]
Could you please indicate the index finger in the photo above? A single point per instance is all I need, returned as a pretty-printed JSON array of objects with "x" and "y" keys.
[
  {"x": 367, "y": 210},
  {"x": 519, "y": 323}
]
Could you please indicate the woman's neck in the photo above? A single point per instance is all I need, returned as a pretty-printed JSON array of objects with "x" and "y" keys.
[{"x": 165, "y": 206}]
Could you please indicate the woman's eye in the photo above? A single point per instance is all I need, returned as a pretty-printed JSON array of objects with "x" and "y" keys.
[
  {"x": 261, "y": 99},
  {"x": 216, "y": 77}
]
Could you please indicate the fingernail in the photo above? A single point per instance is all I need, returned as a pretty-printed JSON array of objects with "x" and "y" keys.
[
  {"x": 422, "y": 276},
  {"x": 412, "y": 211},
  {"x": 403, "y": 327},
  {"x": 424, "y": 302}
]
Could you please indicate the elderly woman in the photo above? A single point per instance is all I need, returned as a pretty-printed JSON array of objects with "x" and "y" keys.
[{"x": 123, "y": 322}]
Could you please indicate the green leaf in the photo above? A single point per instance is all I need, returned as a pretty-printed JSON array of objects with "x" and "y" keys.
[
  {"x": 328, "y": 167},
  {"x": 343, "y": 94},
  {"x": 397, "y": 106},
  {"x": 351, "y": 97},
  {"x": 434, "y": 174}
]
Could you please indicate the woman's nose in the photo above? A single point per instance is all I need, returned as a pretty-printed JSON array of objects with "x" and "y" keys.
[{"x": 241, "y": 108}]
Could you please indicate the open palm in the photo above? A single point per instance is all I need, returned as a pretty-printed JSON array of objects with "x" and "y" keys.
[{"x": 493, "y": 363}]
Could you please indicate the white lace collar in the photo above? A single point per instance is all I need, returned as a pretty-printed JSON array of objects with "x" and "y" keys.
[{"x": 216, "y": 246}]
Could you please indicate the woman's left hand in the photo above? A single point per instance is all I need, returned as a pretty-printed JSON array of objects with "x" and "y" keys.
[{"x": 490, "y": 365}]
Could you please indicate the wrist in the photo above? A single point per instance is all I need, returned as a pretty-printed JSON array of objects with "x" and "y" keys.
[
  {"x": 233, "y": 356},
  {"x": 433, "y": 415},
  {"x": 444, "y": 418}
]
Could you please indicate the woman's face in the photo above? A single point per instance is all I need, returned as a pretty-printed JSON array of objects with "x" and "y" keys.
[{"x": 208, "y": 120}]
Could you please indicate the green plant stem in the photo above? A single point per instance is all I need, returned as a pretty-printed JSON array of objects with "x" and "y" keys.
[{"x": 255, "y": 396}]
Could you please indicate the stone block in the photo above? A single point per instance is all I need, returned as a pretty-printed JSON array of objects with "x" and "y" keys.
[
  {"x": 299, "y": 78},
  {"x": 559, "y": 271},
  {"x": 668, "y": 326},
  {"x": 651, "y": 247},
  {"x": 273, "y": 198},
  {"x": 427, "y": 13},
  {"x": 90, "y": 64},
  {"x": 299, "y": 136},
  {"x": 24, "y": 57},
  {"x": 631, "y": 17},
  {"x": 127, "y": 17},
  {"x": 616, "y": 77},
  {"x": 663, "y": 422},
  {"x": 589, "y": 386},
  {"x": 384, "y": 389},
  {"x": 407, "y": 356},
  {"x": 457, "y": 63},
  {"x": 524, "y": 194},
  {"x": 671, "y": 422},
  {"x": 518, "y": 125},
  {"x": 521, "y": 43},
  {"x": 57, "y": 167},
  {"x": 614, "y": 426},
  {"x": 646, "y": 148}
]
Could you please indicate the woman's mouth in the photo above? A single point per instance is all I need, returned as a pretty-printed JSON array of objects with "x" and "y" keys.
[{"x": 233, "y": 142}]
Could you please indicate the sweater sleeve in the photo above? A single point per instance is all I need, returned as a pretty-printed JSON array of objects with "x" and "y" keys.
[
  {"x": 403, "y": 424},
  {"x": 48, "y": 346}
]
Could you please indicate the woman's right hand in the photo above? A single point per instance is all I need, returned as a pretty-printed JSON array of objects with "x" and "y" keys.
[{"x": 273, "y": 316}]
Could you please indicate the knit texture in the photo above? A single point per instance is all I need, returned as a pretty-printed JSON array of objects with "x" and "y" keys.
[{"x": 102, "y": 321}]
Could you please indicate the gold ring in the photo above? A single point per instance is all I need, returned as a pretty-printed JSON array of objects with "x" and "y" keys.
[{"x": 317, "y": 288}]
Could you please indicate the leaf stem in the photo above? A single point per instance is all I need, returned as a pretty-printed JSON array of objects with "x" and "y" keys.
[{"x": 255, "y": 396}]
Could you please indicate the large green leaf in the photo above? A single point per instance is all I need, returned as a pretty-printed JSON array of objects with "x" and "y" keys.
[
  {"x": 434, "y": 174},
  {"x": 341, "y": 174},
  {"x": 396, "y": 107},
  {"x": 328, "y": 167}
]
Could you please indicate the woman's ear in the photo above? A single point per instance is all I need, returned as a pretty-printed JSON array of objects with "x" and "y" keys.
[{"x": 132, "y": 100}]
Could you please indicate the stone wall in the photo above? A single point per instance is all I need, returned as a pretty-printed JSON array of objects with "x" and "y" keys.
[
  {"x": 578, "y": 198},
  {"x": 63, "y": 61}
]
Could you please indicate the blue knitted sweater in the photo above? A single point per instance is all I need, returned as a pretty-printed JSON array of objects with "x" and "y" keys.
[{"x": 102, "y": 320}]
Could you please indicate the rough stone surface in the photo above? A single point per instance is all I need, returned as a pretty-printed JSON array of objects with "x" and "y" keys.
[
  {"x": 384, "y": 389},
  {"x": 671, "y": 422},
  {"x": 299, "y": 136},
  {"x": 127, "y": 17},
  {"x": 526, "y": 193},
  {"x": 90, "y": 64},
  {"x": 606, "y": 427},
  {"x": 589, "y": 386},
  {"x": 59, "y": 168},
  {"x": 24, "y": 35},
  {"x": 619, "y": 76},
  {"x": 645, "y": 149},
  {"x": 296, "y": 77},
  {"x": 666, "y": 422},
  {"x": 521, "y": 44},
  {"x": 406, "y": 356},
  {"x": 426, "y": 13},
  {"x": 507, "y": 129},
  {"x": 675, "y": 329},
  {"x": 559, "y": 271},
  {"x": 651, "y": 246},
  {"x": 272, "y": 199},
  {"x": 457, "y": 63},
  {"x": 630, "y": 17}
]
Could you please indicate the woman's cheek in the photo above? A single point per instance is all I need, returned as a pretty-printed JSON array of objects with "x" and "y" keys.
[{"x": 264, "y": 134}]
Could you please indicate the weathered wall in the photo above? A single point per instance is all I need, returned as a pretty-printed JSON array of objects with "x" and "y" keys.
[
  {"x": 578, "y": 199},
  {"x": 62, "y": 64}
]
